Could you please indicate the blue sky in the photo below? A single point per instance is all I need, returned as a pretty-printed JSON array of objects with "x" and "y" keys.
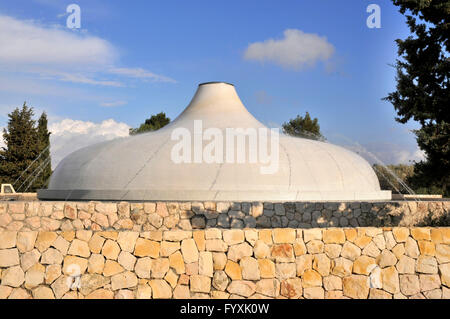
[{"x": 131, "y": 59}]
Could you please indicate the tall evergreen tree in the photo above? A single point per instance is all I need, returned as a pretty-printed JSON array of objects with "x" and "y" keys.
[
  {"x": 25, "y": 161},
  {"x": 44, "y": 151},
  {"x": 423, "y": 88},
  {"x": 303, "y": 127},
  {"x": 21, "y": 144}
]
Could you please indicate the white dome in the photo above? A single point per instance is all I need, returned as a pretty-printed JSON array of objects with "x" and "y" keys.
[{"x": 141, "y": 167}]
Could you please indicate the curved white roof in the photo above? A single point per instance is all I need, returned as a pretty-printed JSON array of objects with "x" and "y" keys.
[{"x": 141, "y": 167}]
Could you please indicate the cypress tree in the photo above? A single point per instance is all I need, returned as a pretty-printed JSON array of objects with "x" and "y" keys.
[{"x": 44, "y": 151}]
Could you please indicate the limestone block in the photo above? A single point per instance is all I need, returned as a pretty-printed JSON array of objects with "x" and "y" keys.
[
  {"x": 333, "y": 236},
  {"x": 322, "y": 264},
  {"x": 311, "y": 278},
  {"x": 356, "y": 286},
  {"x": 220, "y": 280},
  {"x": 112, "y": 268},
  {"x": 426, "y": 265},
  {"x": 145, "y": 247},
  {"x": 81, "y": 248},
  {"x": 314, "y": 293},
  {"x": 390, "y": 280},
  {"x": 250, "y": 268},
  {"x": 364, "y": 265},
  {"x": 127, "y": 240},
  {"x": 350, "y": 251},
  {"x": 160, "y": 289},
  {"x": 242, "y": 288},
  {"x": 9, "y": 257},
  {"x": 123, "y": 280},
  {"x": 409, "y": 285},
  {"x": 233, "y": 270},
  {"x": 282, "y": 253},
  {"x": 236, "y": 252},
  {"x": 205, "y": 264},
  {"x": 233, "y": 236},
  {"x": 13, "y": 277},
  {"x": 199, "y": 283},
  {"x": 8, "y": 239},
  {"x": 189, "y": 250},
  {"x": 143, "y": 267},
  {"x": 284, "y": 235},
  {"x": 26, "y": 241}
]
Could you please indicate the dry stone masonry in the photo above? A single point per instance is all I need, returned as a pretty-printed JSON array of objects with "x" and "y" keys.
[
  {"x": 339, "y": 262},
  {"x": 148, "y": 216},
  {"x": 224, "y": 250}
]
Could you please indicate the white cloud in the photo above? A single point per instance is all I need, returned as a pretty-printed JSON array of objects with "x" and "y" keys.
[
  {"x": 69, "y": 135},
  {"x": 388, "y": 153},
  {"x": 57, "y": 53},
  {"x": 141, "y": 74},
  {"x": 296, "y": 50},
  {"x": 77, "y": 78},
  {"x": 25, "y": 86},
  {"x": 113, "y": 103},
  {"x": 26, "y": 42},
  {"x": 419, "y": 155}
]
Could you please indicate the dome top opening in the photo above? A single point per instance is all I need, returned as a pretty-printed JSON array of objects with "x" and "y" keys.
[{"x": 215, "y": 82}]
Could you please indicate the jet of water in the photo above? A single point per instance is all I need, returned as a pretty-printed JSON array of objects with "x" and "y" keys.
[
  {"x": 40, "y": 154},
  {"x": 44, "y": 165},
  {"x": 362, "y": 149},
  {"x": 32, "y": 174}
]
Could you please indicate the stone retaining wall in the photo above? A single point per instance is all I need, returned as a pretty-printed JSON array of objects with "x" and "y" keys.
[
  {"x": 52, "y": 216},
  {"x": 233, "y": 263}
]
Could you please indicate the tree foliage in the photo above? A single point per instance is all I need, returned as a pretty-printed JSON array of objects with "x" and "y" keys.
[
  {"x": 155, "y": 122},
  {"x": 20, "y": 160},
  {"x": 423, "y": 90},
  {"x": 44, "y": 151},
  {"x": 303, "y": 127}
]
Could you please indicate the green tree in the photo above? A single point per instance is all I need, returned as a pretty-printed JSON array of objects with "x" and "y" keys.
[
  {"x": 423, "y": 88},
  {"x": 155, "y": 122},
  {"x": 21, "y": 144},
  {"x": 25, "y": 161},
  {"x": 44, "y": 151},
  {"x": 303, "y": 127}
]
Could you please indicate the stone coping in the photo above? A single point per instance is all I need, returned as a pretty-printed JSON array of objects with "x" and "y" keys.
[{"x": 209, "y": 195}]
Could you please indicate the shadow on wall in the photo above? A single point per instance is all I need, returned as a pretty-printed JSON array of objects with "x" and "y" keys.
[
  {"x": 150, "y": 216},
  {"x": 293, "y": 215},
  {"x": 442, "y": 220}
]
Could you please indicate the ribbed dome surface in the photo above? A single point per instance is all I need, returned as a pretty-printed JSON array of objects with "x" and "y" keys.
[{"x": 141, "y": 167}]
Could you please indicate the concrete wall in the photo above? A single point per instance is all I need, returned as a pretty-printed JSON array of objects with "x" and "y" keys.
[
  {"x": 362, "y": 263},
  {"x": 52, "y": 216}
]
